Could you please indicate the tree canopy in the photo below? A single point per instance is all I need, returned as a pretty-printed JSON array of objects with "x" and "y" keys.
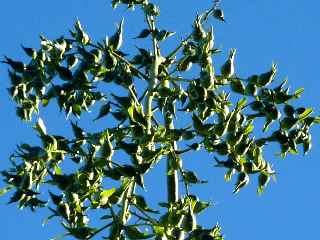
[{"x": 154, "y": 92}]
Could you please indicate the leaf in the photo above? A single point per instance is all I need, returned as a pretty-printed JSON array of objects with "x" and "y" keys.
[
  {"x": 40, "y": 127},
  {"x": 152, "y": 9},
  {"x": 228, "y": 175},
  {"x": 116, "y": 39},
  {"x": 163, "y": 34},
  {"x": 184, "y": 64},
  {"x": 265, "y": 79},
  {"x": 47, "y": 219},
  {"x": 104, "y": 110},
  {"x": 237, "y": 86},
  {"x": 60, "y": 236},
  {"x": 125, "y": 102},
  {"x": 15, "y": 65},
  {"x": 139, "y": 180},
  {"x": 55, "y": 198},
  {"x": 134, "y": 233},
  {"x": 104, "y": 195},
  {"x": 267, "y": 124},
  {"x": 248, "y": 129},
  {"x": 144, "y": 33},
  {"x": 288, "y": 122},
  {"x": 64, "y": 73},
  {"x": 72, "y": 60},
  {"x": 305, "y": 114},
  {"x": 16, "y": 196},
  {"x": 81, "y": 36},
  {"x": 218, "y": 14},
  {"x": 298, "y": 92},
  {"x": 316, "y": 120},
  {"x": 289, "y": 110},
  {"x": 77, "y": 131},
  {"x": 191, "y": 177},
  {"x": 82, "y": 232},
  {"x": 57, "y": 170},
  {"x": 243, "y": 180},
  {"x": 263, "y": 180},
  {"x": 4, "y": 191},
  {"x": 31, "y": 52},
  {"x": 189, "y": 221},
  {"x": 241, "y": 103},
  {"x": 142, "y": 204},
  {"x": 200, "y": 206},
  {"x": 251, "y": 89},
  {"x": 198, "y": 125}
]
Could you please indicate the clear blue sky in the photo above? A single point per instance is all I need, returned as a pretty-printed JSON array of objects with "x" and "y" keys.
[{"x": 285, "y": 32}]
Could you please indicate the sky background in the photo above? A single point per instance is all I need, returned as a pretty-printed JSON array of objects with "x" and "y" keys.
[{"x": 285, "y": 32}]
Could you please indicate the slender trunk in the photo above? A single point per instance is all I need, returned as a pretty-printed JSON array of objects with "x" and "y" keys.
[{"x": 172, "y": 175}]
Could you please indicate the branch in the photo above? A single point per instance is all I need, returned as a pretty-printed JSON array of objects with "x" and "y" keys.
[
  {"x": 204, "y": 19},
  {"x": 145, "y": 77}
]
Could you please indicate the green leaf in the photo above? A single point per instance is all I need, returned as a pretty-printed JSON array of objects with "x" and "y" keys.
[
  {"x": 243, "y": 180},
  {"x": 288, "y": 122},
  {"x": 72, "y": 60},
  {"x": 104, "y": 195},
  {"x": 77, "y": 131},
  {"x": 241, "y": 103},
  {"x": 251, "y": 89},
  {"x": 289, "y": 110},
  {"x": 189, "y": 221},
  {"x": 200, "y": 206},
  {"x": 184, "y": 64},
  {"x": 306, "y": 113},
  {"x": 104, "y": 110},
  {"x": 116, "y": 39},
  {"x": 40, "y": 127},
  {"x": 64, "y": 73},
  {"x": 15, "y": 65},
  {"x": 316, "y": 120},
  {"x": 144, "y": 33},
  {"x": 266, "y": 78},
  {"x": 263, "y": 180},
  {"x": 142, "y": 204},
  {"x": 81, "y": 36},
  {"x": 31, "y": 52},
  {"x": 191, "y": 177},
  {"x": 55, "y": 198},
  {"x": 237, "y": 86},
  {"x": 158, "y": 230},
  {"x": 163, "y": 35},
  {"x": 228, "y": 175},
  {"x": 248, "y": 129},
  {"x": 152, "y": 9},
  {"x": 218, "y": 14},
  {"x": 4, "y": 191},
  {"x": 47, "y": 219},
  {"x": 82, "y": 232},
  {"x": 298, "y": 92},
  {"x": 134, "y": 233}
]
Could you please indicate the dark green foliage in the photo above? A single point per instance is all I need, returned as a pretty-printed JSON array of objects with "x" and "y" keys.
[{"x": 218, "y": 125}]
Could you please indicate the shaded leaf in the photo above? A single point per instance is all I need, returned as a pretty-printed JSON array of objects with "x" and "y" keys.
[
  {"x": 40, "y": 127},
  {"x": 134, "y": 233},
  {"x": 104, "y": 110},
  {"x": 144, "y": 33}
]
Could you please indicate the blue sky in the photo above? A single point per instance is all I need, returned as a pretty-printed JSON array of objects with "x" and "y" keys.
[{"x": 285, "y": 32}]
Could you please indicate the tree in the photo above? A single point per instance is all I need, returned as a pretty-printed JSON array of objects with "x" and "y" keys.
[{"x": 71, "y": 70}]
